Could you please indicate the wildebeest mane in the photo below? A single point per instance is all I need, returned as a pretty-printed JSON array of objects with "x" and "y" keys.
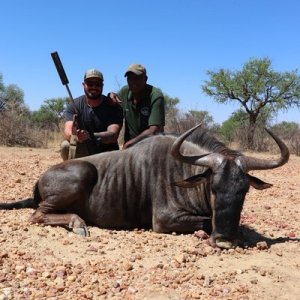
[{"x": 204, "y": 139}]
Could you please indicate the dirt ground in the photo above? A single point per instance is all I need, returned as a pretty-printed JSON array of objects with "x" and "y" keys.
[{"x": 43, "y": 262}]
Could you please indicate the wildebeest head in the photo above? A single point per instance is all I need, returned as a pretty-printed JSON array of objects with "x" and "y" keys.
[{"x": 228, "y": 181}]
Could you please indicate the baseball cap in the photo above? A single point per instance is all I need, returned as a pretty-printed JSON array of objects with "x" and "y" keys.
[
  {"x": 93, "y": 73},
  {"x": 137, "y": 69}
]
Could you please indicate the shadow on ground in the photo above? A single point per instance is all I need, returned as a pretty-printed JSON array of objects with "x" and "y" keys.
[{"x": 249, "y": 238}]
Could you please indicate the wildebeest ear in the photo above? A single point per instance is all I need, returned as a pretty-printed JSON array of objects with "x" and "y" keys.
[
  {"x": 194, "y": 180},
  {"x": 258, "y": 184}
]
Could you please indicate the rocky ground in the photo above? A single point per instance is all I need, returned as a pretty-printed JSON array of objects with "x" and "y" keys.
[{"x": 43, "y": 262}]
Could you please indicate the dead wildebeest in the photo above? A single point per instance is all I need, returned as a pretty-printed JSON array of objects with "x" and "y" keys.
[{"x": 144, "y": 187}]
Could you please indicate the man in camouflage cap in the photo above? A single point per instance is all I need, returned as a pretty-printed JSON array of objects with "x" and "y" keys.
[
  {"x": 99, "y": 122},
  {"x": 143, "y": 105}
]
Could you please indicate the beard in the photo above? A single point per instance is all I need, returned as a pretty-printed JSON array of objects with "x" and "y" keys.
[{"x": 93, "y": 95}]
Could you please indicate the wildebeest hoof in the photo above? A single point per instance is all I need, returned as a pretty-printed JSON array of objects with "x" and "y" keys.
[
  {"x": 83, "y": 231},
  {"x": 78, "y": 225},
  {"x": 225, "y": 244}
]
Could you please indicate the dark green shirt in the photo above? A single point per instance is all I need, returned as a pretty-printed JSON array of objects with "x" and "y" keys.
[{"x": 149, "y": 111}]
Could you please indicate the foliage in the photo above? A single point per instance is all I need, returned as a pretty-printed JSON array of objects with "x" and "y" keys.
[
  {"x": 228, "y": 130},
  {"x": 21, "y": 127},
  {"x": 285, "y": 129},
  {"x": 257, "y": 88},
  {"x": 1, "y": 83},
  {"x": 235, "y": 129},
  {"x": 18, "y": 130},
  {"x": 2, "y": 96},
  {"x": 17, "y": 127},
  {"x": 171, "y": 112},
  {"x": 170, "y": 103},
  {"x": 200, "y": 116},
  {"x": 194, "y": 117},
  {"x": 290, "y": 132},
  {"x": 50, "y": 114},
  {"x": 13, "y": 97},
  {"x": 177, "y": 121},
  {"x": 2, "y": 105}
]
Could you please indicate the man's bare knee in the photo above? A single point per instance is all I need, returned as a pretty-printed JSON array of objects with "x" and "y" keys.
[{"x": 64, "y": 150}]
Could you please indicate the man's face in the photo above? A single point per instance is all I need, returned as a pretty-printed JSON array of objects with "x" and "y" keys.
[
  {"x": 93, "y": 88},
  {"x": 136, "y": 83}
]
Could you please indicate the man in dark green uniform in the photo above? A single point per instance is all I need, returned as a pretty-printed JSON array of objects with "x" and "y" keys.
[{"x": 143, "y": 106}]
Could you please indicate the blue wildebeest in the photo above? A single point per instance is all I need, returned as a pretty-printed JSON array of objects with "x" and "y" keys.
[{"x": 165, "y": 183}]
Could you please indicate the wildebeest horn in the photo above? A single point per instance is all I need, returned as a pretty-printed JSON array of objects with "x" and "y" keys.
[
  {"x": 251, "y": 163},
  {"x": 210, "y": 160}
]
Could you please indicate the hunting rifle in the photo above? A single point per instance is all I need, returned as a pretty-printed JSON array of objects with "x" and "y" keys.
[{"x": 65, "y": 82}]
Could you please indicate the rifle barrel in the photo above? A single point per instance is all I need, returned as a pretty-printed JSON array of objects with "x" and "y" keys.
[{"x": 63, "y": 76}]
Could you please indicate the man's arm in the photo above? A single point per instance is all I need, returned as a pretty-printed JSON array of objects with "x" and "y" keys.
[
  {"x": 71, "y": 129},
  {"x": 107, "y": 137},
  {"x": 111, "y": 135},
  {"x": 153, "y": 129}
]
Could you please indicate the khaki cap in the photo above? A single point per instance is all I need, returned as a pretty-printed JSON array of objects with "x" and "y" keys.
[
  {"x": 137, "y": 69},
  {"x": 93, "y": 73}
]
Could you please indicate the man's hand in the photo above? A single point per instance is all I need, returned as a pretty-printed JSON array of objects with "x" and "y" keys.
[
  {"x": 114, "y": 99},
  {"x": 82, "y": 135},
  {"x": 128, "y": 144}
]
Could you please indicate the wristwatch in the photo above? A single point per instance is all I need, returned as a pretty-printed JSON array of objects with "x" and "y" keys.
[{"x": 98, "y": 141}]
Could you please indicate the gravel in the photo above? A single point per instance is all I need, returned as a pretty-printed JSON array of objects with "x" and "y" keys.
[{"x": 43, "y": 262}]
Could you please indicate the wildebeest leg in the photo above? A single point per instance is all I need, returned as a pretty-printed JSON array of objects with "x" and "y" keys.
[
  {"x": 73, "y": 221},
  {"x": 64, "y": 191},
  {"x": 181, "y": 223}
]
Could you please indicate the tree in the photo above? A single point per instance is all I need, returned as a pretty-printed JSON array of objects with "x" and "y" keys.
[
  {"x": 285, "y": 129},
  {"x": 194, "y": 117},
  {"x": 201, "y": 116},
  {"x": 171, "y": 112},
  {"x": 14, "y": 97},
  {"x": 257, "y": 88},
  {"x": 2, "y": 99},
  {"x": 170, "y": 103},
  {"x": 229, "y": 128},
  {"x": 178, "y": 121},
  {"x": 16, "y": 128},
  {"x": 50, "y": 113},
  {"x": 1, "y": 83},
  {"x": 290, "y": 133},
  {"x": 236, "y": 128}
]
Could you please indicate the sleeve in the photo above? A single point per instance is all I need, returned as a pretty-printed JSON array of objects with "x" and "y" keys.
[
  {"x": 69, "y": 112},
  {"x": 118, "y": 115},
  {"x": 157, "y": 115},
  {"x": 123, "y": 94}
]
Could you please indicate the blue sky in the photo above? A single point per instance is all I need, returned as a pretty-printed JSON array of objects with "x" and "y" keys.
[{"x": 177, "y": 41}]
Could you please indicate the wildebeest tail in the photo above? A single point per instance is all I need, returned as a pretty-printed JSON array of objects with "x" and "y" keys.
[{"x": 25, "y": 203}]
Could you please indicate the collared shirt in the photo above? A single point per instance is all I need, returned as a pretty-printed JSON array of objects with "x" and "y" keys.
[{"x": 149, "y": 111}]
